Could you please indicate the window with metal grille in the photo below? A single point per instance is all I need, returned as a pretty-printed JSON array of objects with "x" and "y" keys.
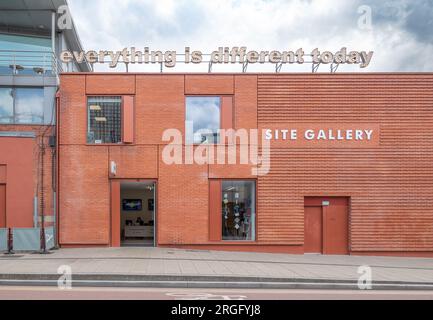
[{"x": 104, "y": 120}]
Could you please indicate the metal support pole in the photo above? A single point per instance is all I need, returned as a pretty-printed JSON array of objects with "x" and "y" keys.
[
  {"x": 334, "y": 67},
  {"x": 14, "y": 66},
  {"x": 54, "y": 218},
  {"x": 53, "y": 46},
  {"x": 43, "y": 242},
  {"x": 244, "y": 66},
  {"x": 53, "y": 32}
]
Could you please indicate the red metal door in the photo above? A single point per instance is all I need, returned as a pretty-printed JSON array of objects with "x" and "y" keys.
[
  {"x": 336, "y": 235},
  {"x": 2, "y": 206},
  {"x": 313, "y": 229}
]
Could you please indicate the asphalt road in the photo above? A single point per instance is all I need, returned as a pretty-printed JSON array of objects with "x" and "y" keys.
[{"x": 53, "y": 293}]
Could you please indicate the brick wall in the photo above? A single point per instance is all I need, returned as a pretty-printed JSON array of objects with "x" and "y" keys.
[
  {"x": 23, "y": 160},
  {"x": 391, "y": 186},
  {"x": 183, "y": 193},
  {"x": 389, "y": 183}
]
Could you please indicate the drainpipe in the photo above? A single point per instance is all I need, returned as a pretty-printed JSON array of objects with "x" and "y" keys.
[
  {"x": 42, "y": 200},
  {"x": 55, "y": 169}
]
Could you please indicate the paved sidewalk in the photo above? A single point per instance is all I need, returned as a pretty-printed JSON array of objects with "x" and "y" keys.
[{"x": 179, "y": 265}]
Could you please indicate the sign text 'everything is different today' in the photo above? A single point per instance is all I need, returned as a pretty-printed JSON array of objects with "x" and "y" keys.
[{"x": 224, "y": 55}]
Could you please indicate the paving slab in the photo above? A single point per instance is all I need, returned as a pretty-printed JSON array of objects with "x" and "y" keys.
[{"x": 136, "y": 263}]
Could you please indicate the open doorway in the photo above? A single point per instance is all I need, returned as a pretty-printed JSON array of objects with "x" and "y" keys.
[{"x": 137, "y": 213}]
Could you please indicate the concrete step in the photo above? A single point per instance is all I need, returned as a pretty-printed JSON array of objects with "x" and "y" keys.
[{"x": 192, "y": 281}]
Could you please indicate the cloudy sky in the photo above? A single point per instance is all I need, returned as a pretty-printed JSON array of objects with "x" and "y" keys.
[{"x": 400, "y": 32}]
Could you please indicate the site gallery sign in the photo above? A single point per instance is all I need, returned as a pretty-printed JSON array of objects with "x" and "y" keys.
[
  {"x": 338, "y": 135},
  {"x": 223, "y": 55}
]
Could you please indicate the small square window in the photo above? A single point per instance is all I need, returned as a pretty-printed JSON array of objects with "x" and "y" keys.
[{"x": 104, "y": 120}]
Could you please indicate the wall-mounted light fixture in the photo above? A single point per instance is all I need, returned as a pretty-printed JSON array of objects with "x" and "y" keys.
[{"x": 113, "y": 168}]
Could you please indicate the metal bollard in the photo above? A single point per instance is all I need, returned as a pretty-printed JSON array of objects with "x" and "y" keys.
[
  {"x": 10, "y": 242},
  {"x": 43, "y": 243}
]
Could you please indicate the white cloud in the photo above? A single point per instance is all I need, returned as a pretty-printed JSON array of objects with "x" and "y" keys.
[
  {"x": 396, "y": 36},
  {"x": 165, "y": 9}
]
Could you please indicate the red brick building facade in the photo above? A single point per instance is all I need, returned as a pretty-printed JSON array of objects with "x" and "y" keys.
[
  {"x": 23, "y": 162},
  {"x": 347, "y": 196}
]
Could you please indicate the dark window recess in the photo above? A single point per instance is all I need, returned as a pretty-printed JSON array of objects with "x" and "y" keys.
[{"x": 104, "y": 120}]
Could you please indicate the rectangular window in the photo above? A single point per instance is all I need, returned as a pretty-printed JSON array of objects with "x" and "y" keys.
[
  {"x": 6, "y": 105},
  {"x": 29, "y": 105},
  {"x": 24, "y": 43},
  {"x": 238, "y": 209},
  {"x": 104, "y": 120},
  {"x": 31, "y": 54},
  {"x": 22, "y": 105},
  {"x": 203, "y": 120}
]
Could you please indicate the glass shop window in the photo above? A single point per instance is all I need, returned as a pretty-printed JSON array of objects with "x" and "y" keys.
[
  {"x": 238, "y": 210},
  {"x": 104, "y": 120},
  {"x": 202, "y": 121}
]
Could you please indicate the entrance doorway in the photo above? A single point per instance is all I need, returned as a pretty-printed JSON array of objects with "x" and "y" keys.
[
  {"x": 137, "y": 213},
  {"x": 326, "y": 223}
]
